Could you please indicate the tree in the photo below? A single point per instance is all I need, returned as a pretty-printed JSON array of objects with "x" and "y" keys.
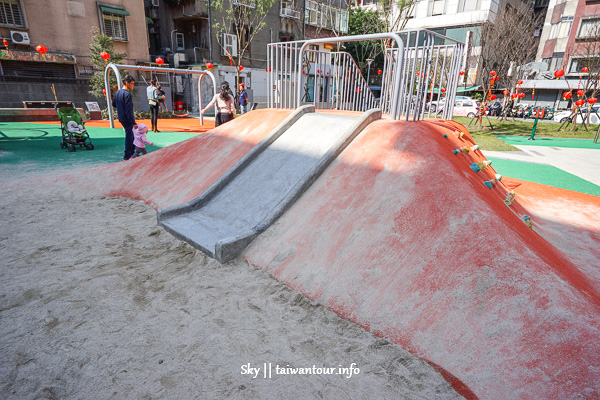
[
  {"x": 363, "y": 22},
  {"x": 243, "y": 19},
  {"x": 507, "y": 44},
  {"x": 102, "y": 43},
  {"x": 384, "y": 16}
]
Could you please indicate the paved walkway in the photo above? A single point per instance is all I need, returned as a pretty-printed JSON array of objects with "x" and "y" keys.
[{"x": 584, "y": 163}]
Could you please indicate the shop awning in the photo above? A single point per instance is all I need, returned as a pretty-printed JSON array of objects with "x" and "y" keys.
[
  {"x": 111, "y": 10},
  {"x": 149, "y": 21}
]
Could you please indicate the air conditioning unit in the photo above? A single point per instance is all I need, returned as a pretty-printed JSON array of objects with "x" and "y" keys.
[
  {"x": 154, "y": 3},
  {"x": 179, "y": 58},
  {"x": 229, "y": 46},
  {"x": 18, "y": 37}
]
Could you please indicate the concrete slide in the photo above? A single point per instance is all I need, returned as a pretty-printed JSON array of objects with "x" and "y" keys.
[{"x": 251, "y": 195}]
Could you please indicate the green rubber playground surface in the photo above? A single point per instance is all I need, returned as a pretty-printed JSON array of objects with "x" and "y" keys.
[
  {"x": 550, "y": 141},
  {"x": 29, "y": 147},
  {"x": 544, "y": 174}
]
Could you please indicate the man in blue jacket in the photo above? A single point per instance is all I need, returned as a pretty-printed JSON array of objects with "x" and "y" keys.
[
  {"x": 243, "y": 99},
  {"x": 124, "y": 106}
]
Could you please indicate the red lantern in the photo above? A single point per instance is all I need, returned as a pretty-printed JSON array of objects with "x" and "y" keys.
[
  {"x": 418, "y": 73},
  {"x": 41, "y": 49},
  {"x": 462, "y": 73},
  {"x": 492, "y": 73},
  {"x": 105, "y": 55},
  {"x": 241, "y": 67},
  {"x": 559, "y": 73},
  {"x": 491, "y": 83},
  {"x": 159, "y": 61},
  {"x": 327, "y": 73},
  {"x": 520, "y": 83},
  {"x": 580, "y": 93},
  {"x": 513, "y": 96},
  {"x": 493, "y": 97},
  {"x": 5, "y": 43},
  {"x": 104, "y": 91},
  {"x": 443, "y": 90},
  {"x": 592, "y": 100},
  {"x": 496, "y": 78},
  {"x": 209, "y": 66},
  {"x": 318, "y": 71},
  {"x": 521, "y": 95},
  {"x": 379, "y": 72},
  {"x": 585, "y": 69},
  {"x": 580, "y": 103},
  {"x": 567, "y": 95},
  {"x": 506, "y": 92}
]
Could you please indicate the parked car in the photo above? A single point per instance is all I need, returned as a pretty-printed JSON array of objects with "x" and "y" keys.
[
  {"x": 433, "y": 105},
  {"x": 564, "y": 116},
  {"x": 466, "y": 108}
]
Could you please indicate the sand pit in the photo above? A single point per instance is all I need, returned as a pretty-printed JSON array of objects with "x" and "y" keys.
[{"x": 97, "y": 301}]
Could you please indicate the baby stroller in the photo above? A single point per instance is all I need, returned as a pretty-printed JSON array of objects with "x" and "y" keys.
[{"x": 73, "y": 132}]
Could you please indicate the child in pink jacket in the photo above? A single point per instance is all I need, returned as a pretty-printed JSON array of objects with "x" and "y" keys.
[{"x": 140, "y": 140}]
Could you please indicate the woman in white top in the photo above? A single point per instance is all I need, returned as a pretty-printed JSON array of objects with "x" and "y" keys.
[
  {"x": 225, "y": 105},
  {"x": 152, "y": 93}
]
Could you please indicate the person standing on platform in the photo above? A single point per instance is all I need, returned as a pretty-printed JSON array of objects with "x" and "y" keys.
[
  {"x": 124, "y": 105},
  {"x": 225, "y": 105},
  {"x": 152, "y": 93},
  {"x": 243, "y": 99}
]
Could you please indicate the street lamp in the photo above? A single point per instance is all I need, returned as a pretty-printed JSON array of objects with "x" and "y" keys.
[{"x": 369, "y": 61}]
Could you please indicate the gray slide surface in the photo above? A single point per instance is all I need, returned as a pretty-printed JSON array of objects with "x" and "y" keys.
[{"x": 231, "y": 213}]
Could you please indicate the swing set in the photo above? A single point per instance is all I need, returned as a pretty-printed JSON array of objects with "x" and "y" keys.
[{"x": 116, "y": 67}]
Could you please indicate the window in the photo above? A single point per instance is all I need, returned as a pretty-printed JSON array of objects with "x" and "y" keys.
[
  {"x": 578, "y": 63},
  {"x": 469, "y": 5},
  {"x": 11, "y": 14},
  {"x": 589, "y": 28},
  {"x": 561, "y": 29},
  {"x": 85, "y": 71},
  {"x": 229, "y": 45},
  {"x": 437, "y": 7},
  {"x": 344, "y": 21},
  {"x": 114, "y": 23}
]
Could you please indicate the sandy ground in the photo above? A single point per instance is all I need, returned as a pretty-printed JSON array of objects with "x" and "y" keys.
[{"x": 97, "y": 301}]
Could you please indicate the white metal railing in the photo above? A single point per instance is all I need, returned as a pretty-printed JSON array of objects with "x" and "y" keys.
[
  {"x": 332, "y": 80},
  {"x": 421, "y": 68}
]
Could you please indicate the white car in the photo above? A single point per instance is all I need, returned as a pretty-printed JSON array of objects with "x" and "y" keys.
[
  {"x": 466, "y": 108},
  {"x": 433, "y": 105},
  {"x": 563, "y": 116}
]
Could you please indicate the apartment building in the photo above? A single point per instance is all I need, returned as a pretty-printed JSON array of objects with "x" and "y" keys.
[
  {"x": 182, "y": 33},
  {"x": 458, "y": 19},
  {"x": 570, "y": 35},
  {"x": 65, "y": 29},
  {"x": 569, "y": 27}
]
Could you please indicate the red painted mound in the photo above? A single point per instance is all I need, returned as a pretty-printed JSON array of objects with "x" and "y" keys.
[
  {"x": 402, "y": 236},
  {"x": 181, "y": 172}
]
